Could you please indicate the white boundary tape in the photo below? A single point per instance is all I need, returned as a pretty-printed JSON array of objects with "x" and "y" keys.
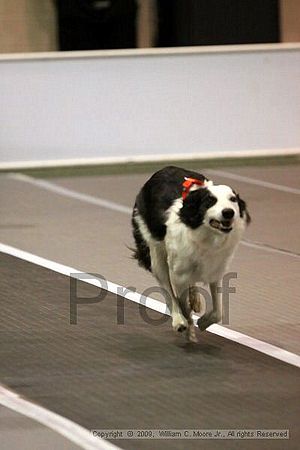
[
  {"x": 14, "y": 165},
  {"x": 256, "y": 344},
  {"x": 70, "y": 430}
]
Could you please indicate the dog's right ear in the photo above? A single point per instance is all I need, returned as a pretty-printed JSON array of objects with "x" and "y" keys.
[
  {"x": 194, "y": 207},
  {"x": 243, "y": 209}
]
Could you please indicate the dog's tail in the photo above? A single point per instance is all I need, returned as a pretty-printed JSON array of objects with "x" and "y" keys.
[{"x": 141, "y": 252}]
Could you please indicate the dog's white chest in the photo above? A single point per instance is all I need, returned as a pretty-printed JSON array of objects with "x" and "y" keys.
[
  {"x": 199, "y": 255},
  {"x": 211, "y": 264}
]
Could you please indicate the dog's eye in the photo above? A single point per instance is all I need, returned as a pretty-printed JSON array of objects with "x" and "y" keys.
[{"x": 233, "y": 199}]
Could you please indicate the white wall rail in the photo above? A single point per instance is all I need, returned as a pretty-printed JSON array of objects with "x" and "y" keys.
[{"x": 144, "y": 104}]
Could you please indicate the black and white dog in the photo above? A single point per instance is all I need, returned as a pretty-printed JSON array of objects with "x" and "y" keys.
[{"x": 186, "y": 230}]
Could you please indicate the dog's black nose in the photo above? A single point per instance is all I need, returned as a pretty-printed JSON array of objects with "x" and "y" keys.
[{"x": 228, "y": 213}]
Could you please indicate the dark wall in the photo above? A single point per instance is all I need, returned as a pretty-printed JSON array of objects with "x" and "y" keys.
[
  {"x": 216, "y": 22},
  {"x": 96, "y": 24}
]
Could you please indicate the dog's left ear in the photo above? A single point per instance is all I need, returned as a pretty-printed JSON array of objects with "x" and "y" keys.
[{"x": 243, "y": 209}]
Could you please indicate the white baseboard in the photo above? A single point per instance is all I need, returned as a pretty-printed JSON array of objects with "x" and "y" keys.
[{"x": 14, "y": 165}]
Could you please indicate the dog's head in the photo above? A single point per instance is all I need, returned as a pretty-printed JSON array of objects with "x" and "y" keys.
[{"x": 217, "y": 207}]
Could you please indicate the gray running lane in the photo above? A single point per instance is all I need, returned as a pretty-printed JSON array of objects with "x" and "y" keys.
[{"x": 105, "y": 375}]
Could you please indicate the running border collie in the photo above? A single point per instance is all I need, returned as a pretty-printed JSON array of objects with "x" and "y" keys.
[{"x": 186, "y": 230}]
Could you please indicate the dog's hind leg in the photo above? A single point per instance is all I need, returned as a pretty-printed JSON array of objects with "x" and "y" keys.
[
  {"x": 195, "y": 298},
  {"x": 160, "y": 270},
  {"x": 215, "y": 315},
  {"x": 193, "y": 304},
  {"x": 187, "y": 311}
]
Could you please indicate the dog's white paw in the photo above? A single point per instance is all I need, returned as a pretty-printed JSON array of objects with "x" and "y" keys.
[
  {"x": 179, "y": 323},
  {"x": 207, "y": 320}
]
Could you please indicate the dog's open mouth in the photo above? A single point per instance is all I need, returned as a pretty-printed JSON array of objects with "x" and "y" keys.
[{"x": 223, "y": 225}]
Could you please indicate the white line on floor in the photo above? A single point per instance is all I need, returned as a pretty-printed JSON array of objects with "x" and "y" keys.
[
  {"x": 70, "y": 430},
  {"x": 52, "y": 187},
  {"x": 116, "y": 206},
  {"x": 269, "y": 249},
  {"x": 248, "y": 341},
  {"x": 266, "y": 184}
]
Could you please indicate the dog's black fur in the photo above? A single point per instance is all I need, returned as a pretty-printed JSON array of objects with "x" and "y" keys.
[{"x": 155, "y": 197}]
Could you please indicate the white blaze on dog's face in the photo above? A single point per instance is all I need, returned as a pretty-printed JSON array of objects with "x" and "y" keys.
[{"x": 224, "y": 214}]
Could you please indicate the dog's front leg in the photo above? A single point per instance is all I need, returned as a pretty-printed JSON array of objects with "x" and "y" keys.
[
  {"x": 160, "y": 269},
  {"x": 182, "y": 319},
  {"x": 215, "y": 315},
  {"x": 179, "y": 283},
  {"x": 179, "y": 321}
]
